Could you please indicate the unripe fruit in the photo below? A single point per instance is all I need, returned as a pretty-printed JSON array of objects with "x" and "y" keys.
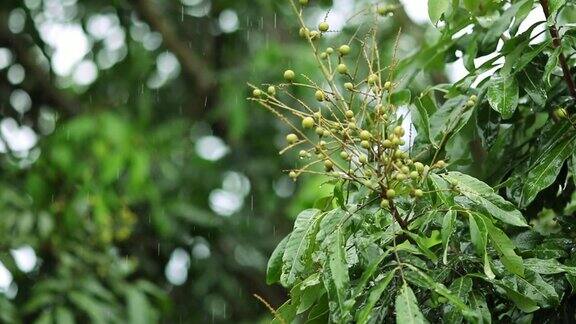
[
  {"x": 342, "y": 68},
  {"x": 349, "y": 86},
  {"x": 399, "y": 131},
  {"x": 385, "y": 203},
  {"x": 405, "y": 169},
  {"x": 329, "y": 50},
  {"x": 257, "y": 93},
  {"x": 418, "y": 193},
  {"x": 326, "y": 133},
  {"x": 419, "y": 166},
  {"x": 323, "y": 27},
  {"x": 365, "y": 135},
  {"x": 400, "y": 176},
  {"x": 352, "y": 125},
  {"x": 363, "y": 159},
  {"x": 293, "y": 175},
  {"x": 303, "y": 154},
  {"x": 292, "y": 138},
  {"x": 440, "y": 164},
  {"x": 365, "y": 144},
  {"x": 398, "y": 154},
  {"x": 328, "y": 165},
  {"x": 474, "y": 98},
  {"x": 470, "y": 103},
  {"x": 344, "y": 155},
  {"x": 344, "y": 50},
  {"x": 303, "y": 32},
  {"x": 387, "y": 85},
  {"x": 317, "y": 115},
  {"x": 308, "y": 122},
  {"x": 396, "y": 141},
  {"x": 272, "y": 90},
  {"x": 319, "y": 95},
  {"x": 303, "y": 2},
  {"x": 314, "y": 35},
  {"x": 289, "y": 75},
  {"x": 387, "y": 143},
  {"x": 320, "y": 131},
  {"x": 414, "y": 175},
  {"x": 390, "y": 193},
  {"x": 323, "y": 55},
  {"x": 349, "y": 114},
  {"x": 561, "y": 113},
  {"x": 372, "y": 78}
]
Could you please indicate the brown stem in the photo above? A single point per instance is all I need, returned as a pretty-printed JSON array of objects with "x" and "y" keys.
[
  {"x": 556, "y": 42},
  {"x": 193, "y": 65}
]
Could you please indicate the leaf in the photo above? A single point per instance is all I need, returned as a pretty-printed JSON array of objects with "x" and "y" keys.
[
  {"x": 461, "y": 288},
  {"x": 401, "y": 98},
  {"x": 447, "y": 231},
  {"x": 542, "y": 292},
  {"x": 484, "y": 197},
  {"x": 368, "y": 273},
  {"x": 274, "y": 268},
  {"x": 548, "y": 266},
  {"x": 64, "y": 316},
  {"x": 523, "y": 302},
  {"x": 407, "y": 311},
  {"x": 364, "y": 314},
  {"x": 420, "y": 241},
  {"x": 478, "y": 302},
  {"x": 479, "y": 238},
  {"x": 338, "y": 268},
  {"x": 298, "y": 246},
  {"x": 504, "y": 246},
  {"x": 503, "y": 95}
]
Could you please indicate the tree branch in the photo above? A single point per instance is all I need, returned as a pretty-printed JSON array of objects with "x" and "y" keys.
[
  {"x": 556, "y": 42},
  {"x": 193, "y": 64},
  {"x": 44, "y": 86}
]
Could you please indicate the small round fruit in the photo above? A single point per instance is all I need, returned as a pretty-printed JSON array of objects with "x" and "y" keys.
[
  {"x": 363, "y": 159},
  {"x": 418, "y": 193},
  {"x": 474, "y": 98},
  {"x": 470, "y": 103},
  {"x": 349, "y": 86},
  {"x": 289, "y": 75},
  {"x": 349, "y": 114},
  {"x": 329, "y": 50},
  {"x": 365, "y": 144},
  {"x": 320, "y": 131},
  {"x": 365, "y": 135},
  {"x": 372, "y": 78},
  {"x": 441, "y": 164},
  {"x": 323, "y": 27},
  {"x": 314, "y": 34},
  {"x": 385, "y": 203},
  {"x": 387, "y": 143},
  {"x": 561, "y": 113},
  {"x": 293, "y": 175},
  {"x": 387, "y": 85},
  {"x": 303, "y": 154},
  {"x": 342, "y": 68},
  {"x": 308, "y": 122},
  {"x": 328, "y": 165},
  {"x": 400, "y": 176},
  {"x": 344, "y": 155},
  {"x": 292, "y": 138},
  {"x": 414, "y": 175},
  {"x": 272, "y": 90},
  {"x": 323, "y": 55},
  {"x": 303, "y": 2},
  {"x": 319, "y": 95},
  {"x": 344, "y": 50},
  {"x": 405, "y": 169},
  {"x": 326, "y": 133},
  {"x": 399, "y": 131},
  {"x": 419, "y": 166},
  {"x": 352, "y": 125},
  {"x": 303, "y": 32},
  {"x": 257, "y": 93},
  {"x": 390, "y": 193}
]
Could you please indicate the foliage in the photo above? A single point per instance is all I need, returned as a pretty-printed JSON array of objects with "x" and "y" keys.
[{"x": 468, "y": 221}]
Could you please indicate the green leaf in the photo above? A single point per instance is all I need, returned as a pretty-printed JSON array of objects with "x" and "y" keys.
[
  {"x": 542, "y": 292},
  {"x": 548, "y": 266},
  {"x": 447, "y": 231},
  {"x": 461, "y": 288},
  {"x": 484, "y": 197},
  {"x": 368, "y": 273},
  {"x": 139, "y": 309},
  {"x": 503, "y": 95},
  {"x": 274, "y": 268},
  {"x": 479, "y": 238},
  {"x": 338, "y": 268},
  {"x": 407, "y": 311},
  {"x": 504, "y": 246},
  {"x": 523, "y": 302},
  {"x": 478, "y": 302},
  {"x": 375, "y": 293},
  {"x": 401, "y": 98},
  {"x": 64, "y": 316},
  {"x": 298, "y": 246}
]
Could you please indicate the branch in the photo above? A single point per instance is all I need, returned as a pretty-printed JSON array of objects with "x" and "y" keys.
[
  {"x": 44, "y": 86},
  {"x": 556, "y": 43},
  {"x": 193, "y": 64}
]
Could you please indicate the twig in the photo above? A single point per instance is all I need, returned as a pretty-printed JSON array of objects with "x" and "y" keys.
[{"x": 556, "y": 43}]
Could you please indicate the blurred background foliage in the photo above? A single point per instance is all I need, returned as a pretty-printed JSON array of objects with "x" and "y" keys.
[{"x": 137, "y": 183}]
